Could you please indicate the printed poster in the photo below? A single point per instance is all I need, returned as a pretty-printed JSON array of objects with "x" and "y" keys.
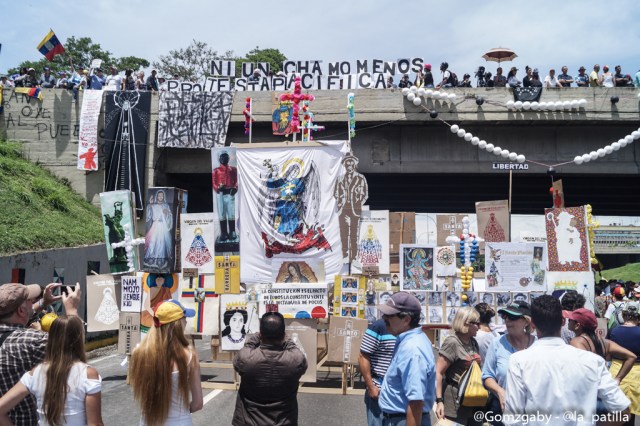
[
  {"x": 303, "y": 333},
  {"x": 296, "y": 300},
  {"x": 287, "y": 271},
  {"x": 287, "y": 208},
  {"x": 162, "y": 227},
  {"x": 445, "y": 261},
  {"x": 156, "y": 288},
  {"x": 416, "y": 266},
  {"x": 129, "y": 333},
  {"x": 131, "y": 294},
  {"x": 515, "y": 267},
  {"x": 199, "y": 294},
  {"x": 237, "y": 319},
  {"x": 567, "y": 239},
  {"x": 118, "y": 218},
  {"x": 447, "y": 225},
  {"x": 88, "y": 133},
  {"x": 103, "y": 313},
  {"x": 349, "y": 296},
  {"x": 227, "y": 277},
  {"x": 345, "y": 338},
  {"x": 373, "y": 244},
  {"x": 197, "y": 235},
  {"x": 558, "y": 282},
  {"x": 224, "y": 181},
  {"x": 493, "y": 220}
]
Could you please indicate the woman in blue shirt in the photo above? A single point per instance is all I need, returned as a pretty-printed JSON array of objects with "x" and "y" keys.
[{"x": 517, "y": 318}]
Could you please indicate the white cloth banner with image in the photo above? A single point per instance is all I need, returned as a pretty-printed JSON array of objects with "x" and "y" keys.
[
  {"x": 88, "y": 131},
  {"x": 287, "y": 207}
]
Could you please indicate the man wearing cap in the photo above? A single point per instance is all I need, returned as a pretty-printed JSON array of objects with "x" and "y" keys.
[
  {"x": 152, "y": 82},
  {"x": 114, "y": 80},
  {"x": 22, "y": 347},
  {"x": 551, "y": 378},
  {"x": 97, "y": 80},
  {"x": 270, "y": 366},
  {"x": 614, "y": 310},
  {"x": 409, "y": 387},
  {"x": 5, "y": 82},
  {"x": 29, "y": 79},
  {"x": 404, "y": 82},
  {"x": 582, "y": 79},
  {"x": 47, "y": 81},
  {"x": 255, "y": 77},
  {"x": 565, "y": 79},
  {"x": 427, "y": 77}
]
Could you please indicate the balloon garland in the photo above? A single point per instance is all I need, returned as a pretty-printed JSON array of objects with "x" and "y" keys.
[
  {"x": 248, "y": 119},
  {"x": 468, "y": 252},
  {"x": 615, "y": 146},
  {"x": 352, "y": 115}
]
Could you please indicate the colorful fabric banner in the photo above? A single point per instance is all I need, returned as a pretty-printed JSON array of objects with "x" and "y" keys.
[
  {"x": 88, "y": 135},
  {"x": 50, "y": 46},
  {"x": 287, "y": 207}
]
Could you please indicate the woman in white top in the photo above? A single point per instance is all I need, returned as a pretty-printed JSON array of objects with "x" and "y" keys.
[
  {"x": 606, "y": 79},
  {"x": 485, "y": 334},
  {"x": 165, "y": 356},
  {"x": 67, "y": 390}
]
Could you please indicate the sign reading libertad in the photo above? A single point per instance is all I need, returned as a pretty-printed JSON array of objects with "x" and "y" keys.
[{"x": 314, "y": 74}]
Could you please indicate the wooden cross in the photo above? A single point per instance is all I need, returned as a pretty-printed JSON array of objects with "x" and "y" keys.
[
  {"x": 348, "y": 333},
  {"x": 129, "y": 243},
  {"x": 199, "y": 294}
]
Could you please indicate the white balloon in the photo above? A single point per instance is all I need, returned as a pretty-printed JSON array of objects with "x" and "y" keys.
[
  {"x": 452, "y": 96},
  {"x": 510, "y": 104},
  {"x": 623, "y": 143},
  {"x": 520, "y": 158},
  {"x": 582, "y": 102},
  {"x": 417, "y": 101},
  {"x": 543, "y": 105},
  {"x": 513, "y": 156},
  {"x": 489, "y": 147},
  {"x": 482, "y": 144},
  {"x": 566, "y": 105},
  {"x": 436, "y": 95},
  {"x": 601, "y": 152},
  {"x": 578, "y": 160},
  {"x": 635, "y": 135},
  {"x": 608, "y": 150},
  {"x": 466, "y": 220},
  {"x": 497, "y": 150},
  {"x": 421, "y": 91},
  {"x": 405, "y": 91},
  {"x": 518, "y": 105},
  {"x": 574, "y": 104},
  {"x": 629, "y": 139},
  {"x": 593, "y": 155},
  {"x": 526, "y": 105},
  {"x": 455, "y": 128},
  {"x": 620, "y": 142},
  {"x": 505, "y": 153},
  {"x": 535, "y": 106},
  {"x": 475, "y": 140},
  {"x": 615, "y": 146},
  {"x": 586, "y": 158},
  {"x": 411, "y": 96},
  {"x": 428, "y": 93},
  {"x": 468, "y": 137},
  {"x": 461, "y": 133},
  {"x": 413, "y": 89},
  {"x": 558, "y": 105}
]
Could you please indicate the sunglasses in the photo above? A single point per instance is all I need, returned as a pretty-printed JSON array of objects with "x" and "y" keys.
[
  {"x": 477, "y": 323},
  {"x": 510, "y": 317}
]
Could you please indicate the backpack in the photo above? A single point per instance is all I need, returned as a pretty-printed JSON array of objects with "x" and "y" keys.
[
  {"x": 453, "y": 79},
  {"x": 616, "y": 317}
]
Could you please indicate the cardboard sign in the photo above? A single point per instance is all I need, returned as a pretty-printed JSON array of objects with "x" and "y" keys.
[
  {"x": 304, "y": 334},
  {"x": 296, "y": 300},
  {"x": 103, "y": 311},
  {"x": 227, "y": 274},
  {"x": 237, "y": 319},
  {"x": 448, "y": 224},
  {"x": 131, "y": 294},
  {"x": 129, "y": 333},
  {"x": 493, "y": 220},
  {"x": 199, "y": 294},
  {"x": 345, "y": 338}
]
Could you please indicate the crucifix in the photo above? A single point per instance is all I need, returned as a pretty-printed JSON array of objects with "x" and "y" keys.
[
  {"x": 129, "y": 244},
  {"x": 199, "y": 295},
  {"x": 296, "y": 97}
]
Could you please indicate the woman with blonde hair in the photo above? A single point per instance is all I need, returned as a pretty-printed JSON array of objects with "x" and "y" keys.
[
  {"x": 67, "y": 390},
  {"x": 457, "y": 353},
  {"x": 517, "y": 318},
  {"x": 164, "y": 357}
]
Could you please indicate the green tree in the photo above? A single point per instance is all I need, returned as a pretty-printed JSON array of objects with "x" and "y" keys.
[
  {"x": 191, "y": 63},
  {"x": 274, "y": 57},
  {"x": 131, "y": 63}
]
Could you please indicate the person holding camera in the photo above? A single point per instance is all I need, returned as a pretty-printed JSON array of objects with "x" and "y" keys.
[{"x": 512, "y": 80}]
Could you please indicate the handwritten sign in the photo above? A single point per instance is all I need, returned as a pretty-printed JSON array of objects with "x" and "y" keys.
[
  {"x": 88, "y": 134},
  {"x": 131, "y": 294},
  {"x": 296, "y": 300}
]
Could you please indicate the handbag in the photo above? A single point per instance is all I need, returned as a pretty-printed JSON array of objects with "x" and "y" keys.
[{"x": 471, "y": 391}]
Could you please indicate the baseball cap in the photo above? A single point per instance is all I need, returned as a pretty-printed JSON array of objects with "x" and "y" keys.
[
  {"x": 582, "y": 316},
  {"x": 30, "y": 69},
  {"x": 619, "y": 291},
  {"x": 169, "y": 311},
  {"x": 428, "y": 66},
  {"x": 637, "y": 289},
  {"x": 535, "y": 70},
  {"x": 400, "y": 302},
  {"x": 46, "y": 68},
  {"x": 631, "y": 306},
  {"x": 517, "y": 309},
  {"x": 582, "y": 69},
  {"x": 13, "y": 295}
]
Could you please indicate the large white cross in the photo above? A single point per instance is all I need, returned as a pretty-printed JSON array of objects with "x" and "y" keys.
[{"x": 128, "y": 243}]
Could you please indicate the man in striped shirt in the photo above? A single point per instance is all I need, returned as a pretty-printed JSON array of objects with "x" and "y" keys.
[{"x": 376, "y": 352}]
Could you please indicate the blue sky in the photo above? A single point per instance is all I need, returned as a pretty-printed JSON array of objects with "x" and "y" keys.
[{"x": 543, "y": 33}]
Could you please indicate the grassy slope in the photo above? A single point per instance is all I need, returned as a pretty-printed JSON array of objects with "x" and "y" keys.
[
  {"x": 628, "y": 272},
  {"x": 38, "y": 211}
]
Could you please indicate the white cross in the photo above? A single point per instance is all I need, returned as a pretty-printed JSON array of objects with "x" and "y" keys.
[
  {"x": 128, "y": 243},
  {"x": 348, "y": 333}
]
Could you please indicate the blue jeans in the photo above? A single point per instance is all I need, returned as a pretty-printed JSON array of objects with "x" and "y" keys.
[{"x": 374, "y": 413}]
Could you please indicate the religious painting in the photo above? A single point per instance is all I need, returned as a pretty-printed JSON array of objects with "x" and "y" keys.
[
  {"x": 224, "y": 181},
  {"x": 118, "y": 219},
  {"x": 445, "y": 261},
  {"x": 103, "y": 312},
  {"x": 162, "y": 230},
  {"x": 287, "y": 271},
  {"x": 304, "y": 334},
  {"x": 199, "y": 294},
  {"x": 197, "y": 235},
  {"x": 156, "y": 288},
  {"x": 126, "y": 131},
  {"x": 435, "y": 314},
  {"x": 567, "y": 239},
  {"x": 287, "y": 208},
  {"x": 434, "y": 298},
  {"x": 349, "y": 296},
  {"x": 345, "y": 338},
  {"x": 373, "y": 244},
  {"x": 237, "y": 319},
  {"x": 416, "y": 267},
  {"x": 281, "y": 117},
  {"x": 493, "y": 220}
]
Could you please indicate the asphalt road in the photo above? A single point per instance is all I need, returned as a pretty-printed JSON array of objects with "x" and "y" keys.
[{"x": 119, "y": 408}]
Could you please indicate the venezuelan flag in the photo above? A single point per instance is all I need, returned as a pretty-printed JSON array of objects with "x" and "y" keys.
[
  {"x": 50, "y": 46},
  {"x": 33, "y": 92}
]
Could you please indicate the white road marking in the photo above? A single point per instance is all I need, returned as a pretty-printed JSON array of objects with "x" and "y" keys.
[
  {"x": 211, "y": 395},
  {"x": 93, "y": 361}
]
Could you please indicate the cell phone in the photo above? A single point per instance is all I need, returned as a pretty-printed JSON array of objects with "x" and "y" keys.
[{"x": 63, "y": 289}]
